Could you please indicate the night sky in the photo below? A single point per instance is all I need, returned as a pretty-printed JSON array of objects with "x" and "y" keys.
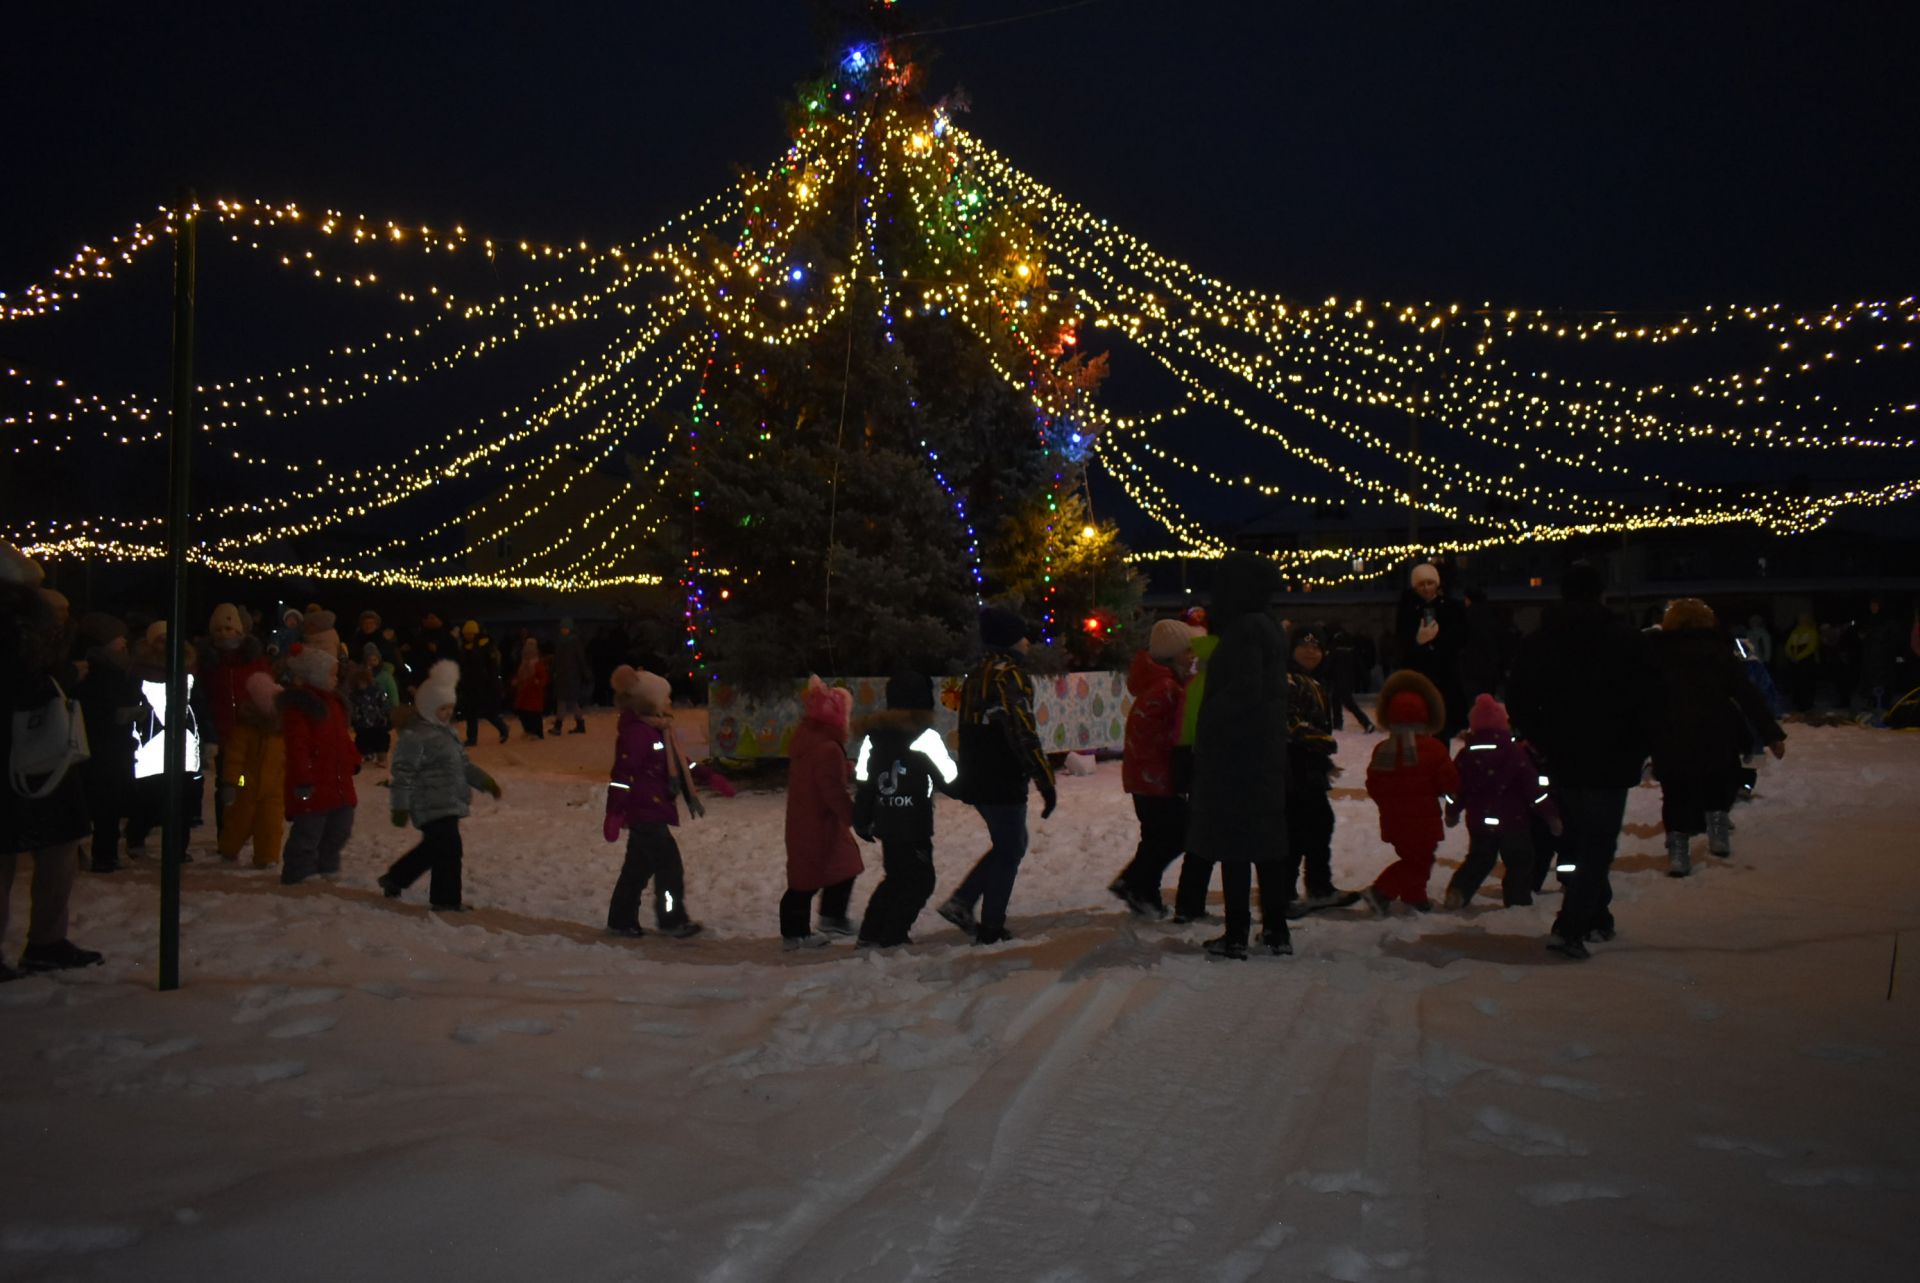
[{"x": 1568, "y": 154}]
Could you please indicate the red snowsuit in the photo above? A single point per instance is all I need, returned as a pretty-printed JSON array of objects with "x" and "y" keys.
[
  {"x": 1153, "y": 727},
  {"x": 1409, "y": 797},
  {"x": 321, "y": 758}
]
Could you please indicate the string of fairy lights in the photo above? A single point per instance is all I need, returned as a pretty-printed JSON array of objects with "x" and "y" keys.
[{"x": 1513, "y": 447}]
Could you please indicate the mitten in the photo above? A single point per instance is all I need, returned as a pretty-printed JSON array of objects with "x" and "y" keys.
[
  {"x": 612, "y": 827},
  {"x": 399, "y": 819}
]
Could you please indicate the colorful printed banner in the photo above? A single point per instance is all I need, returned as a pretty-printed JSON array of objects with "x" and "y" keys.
[{"x": 1076, "y": 712}]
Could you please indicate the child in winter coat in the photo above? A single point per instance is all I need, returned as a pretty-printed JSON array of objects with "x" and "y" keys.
[
  {"x": 821, "y": 855},
  {"x": 901, "y": 763},
  {"x": 530, "y": 690},
  {"x": 433, "y": 785},
  {"x": 253, "y": 775},
  {"x": 373, "y": 706},
  {"x": 1409, "y": 774},
  {"x": 1501, "y": 790},
  {"x": 1157, "y": 682},
  {"x": 1310, "y": 772},
  {"x": 648, "y": 769},
  {"x": 148, "y": 803},
  {"x": 321, "y": 764}
]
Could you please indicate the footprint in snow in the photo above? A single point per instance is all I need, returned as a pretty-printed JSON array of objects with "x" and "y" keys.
[
  {"x": 1495, "y": 1126},
  {"x": 1738, "y": 1145},
  {"x": 262, "y": 1001},
  {"x": 304, "y": 1028},
  {"x": 50, "y": 1240},
  {"x": 485, "y": 1033},
  {"x": 1560, "y": 1193}
]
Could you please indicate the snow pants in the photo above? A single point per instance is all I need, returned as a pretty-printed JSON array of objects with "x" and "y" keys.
[
  {"x": 314, "y": 843},
  {"x": 1513, "y": 847},
  {"x": 796, "y": 908},
  {"x": 990, "y": 882},
  {"x": 652, "y": 856},
  {"x": 54, "y": 870},
  {"x": 904, "y": 889},
  {"x": 1310, "y": 841},
  {"x": 1406, "y": 878},
  {"x": 1163, "y": 835},
  {"x": 1591, "y": 817},
  {"x": 439, "y": 849},
  {"x": 258, "y": 814}
]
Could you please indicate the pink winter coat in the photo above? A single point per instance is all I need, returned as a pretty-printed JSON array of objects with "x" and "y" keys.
[{"x": 820, "y": 847}]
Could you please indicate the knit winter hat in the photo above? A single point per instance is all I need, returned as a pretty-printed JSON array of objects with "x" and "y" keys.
[
  {"x": 643, "y": 691},
  {"x": 470, "y": 629},
  {"x": 1304, "y": 633},
  {"x": 1488, "y": 714},
  {"x": 1687, "y": 612},
  {"x": 18, "y": 568},
  {"x": 227, "y": 620},
  {"x": 826, "y": 704},
  {"x": 1195, "y": 617},
  {"x": 441, "y": 688},
  {"x": 907, "y": 689},
  {"x": 291, "y": 617},
  {"x": 1001, "y": 628},
  {"x": 263, "y": 690},
  {"x": 370, "y": 655},
  {"x": 374, "y": 615},
  {"x": 97, "y": 628},
  {"x": 1425, "y": 570},
  {"x": 314, "y": 665},
  {"x": 1168, "y": 640},
  {"x": 316, "y": 621}
]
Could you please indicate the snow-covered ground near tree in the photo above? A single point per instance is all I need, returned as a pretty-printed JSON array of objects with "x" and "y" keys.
[{"x": 351, "y": 1088}]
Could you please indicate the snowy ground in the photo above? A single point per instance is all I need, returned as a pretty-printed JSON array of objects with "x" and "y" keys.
[{"x": 349, "y": 1088}]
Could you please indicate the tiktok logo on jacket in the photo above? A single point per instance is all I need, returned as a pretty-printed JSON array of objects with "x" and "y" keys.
[{"x": 149, "y": 731}]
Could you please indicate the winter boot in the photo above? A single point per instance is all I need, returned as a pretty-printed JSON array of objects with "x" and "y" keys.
[
  {"x": 1277, "y": 941},
  {"x": 388, "y": 886},
  {"x": 960, "y": 914},
  {"x": 61, "y": 955},
  {"x": 556, "y": 727},
  {"x": 1719, "y": 834},
  {"x": 835, "y": 926},
  {"x": 1679, "y": 861},
  {"x": 1569, "y": 947},
  {"x": 1223, "y": 949},
  {"x": 579, "y": 726},
  {"x": 1380, "y": 905},
  {"x": 793, "y": 944}
]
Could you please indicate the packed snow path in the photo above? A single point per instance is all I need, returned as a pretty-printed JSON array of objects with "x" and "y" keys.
[{"x": 351, "y": 1087}]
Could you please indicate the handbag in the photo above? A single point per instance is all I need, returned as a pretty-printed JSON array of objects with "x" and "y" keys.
[{"x": 48, "y": 740}]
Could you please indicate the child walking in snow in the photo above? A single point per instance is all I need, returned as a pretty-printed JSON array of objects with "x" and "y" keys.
[
  {"x": 1501, "y": 790},
  {"x": 1409, "y": 774},
  {"x": 530, "y": 690},
  {"x": 648, "y": 769},
  {"x": 373, "y": 707},
  {"x": 1156, "y": 682},
  {"x": 253, "y": 766},
  {"x": 821, "y": 855},
  {"x": 321, "y": 764},
  {"x": 433, "y": 783},
  {"x": 901, "y": 763}
]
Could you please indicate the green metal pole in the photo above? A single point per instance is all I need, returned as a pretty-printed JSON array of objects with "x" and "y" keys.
[{"x": 173, "y": 841}]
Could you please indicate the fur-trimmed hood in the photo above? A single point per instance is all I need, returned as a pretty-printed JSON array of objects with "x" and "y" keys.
[{"x": 1407, "y": 681}]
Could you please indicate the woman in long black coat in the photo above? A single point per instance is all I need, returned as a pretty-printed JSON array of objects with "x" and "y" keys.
[
  {"x": 1239, "y": 803},
  {"x": 1431, "y": 629},
  {"x": 1708, "y": 712}
]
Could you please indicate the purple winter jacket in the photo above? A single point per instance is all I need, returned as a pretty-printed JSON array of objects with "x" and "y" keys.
[
  {"x": 642, "y": 788},
  {"x": 1500, "y": 784}
]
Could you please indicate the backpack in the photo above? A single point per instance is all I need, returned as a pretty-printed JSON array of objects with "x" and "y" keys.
[{"x": 48, "y": 741}]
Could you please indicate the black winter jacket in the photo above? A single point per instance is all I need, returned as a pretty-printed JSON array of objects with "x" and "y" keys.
[
  {"x": 1239, "y": 807},
  {"x": 1583, "y": 693},
  {"x": 901, "y": 763},
  {"x": 1708, "y": 710}
]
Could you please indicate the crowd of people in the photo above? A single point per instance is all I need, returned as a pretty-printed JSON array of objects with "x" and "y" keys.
[{"x": 1229, "y": 755}]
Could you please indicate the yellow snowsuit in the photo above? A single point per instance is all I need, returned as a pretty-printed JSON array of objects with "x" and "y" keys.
[{"x": 254, "y": 765}]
